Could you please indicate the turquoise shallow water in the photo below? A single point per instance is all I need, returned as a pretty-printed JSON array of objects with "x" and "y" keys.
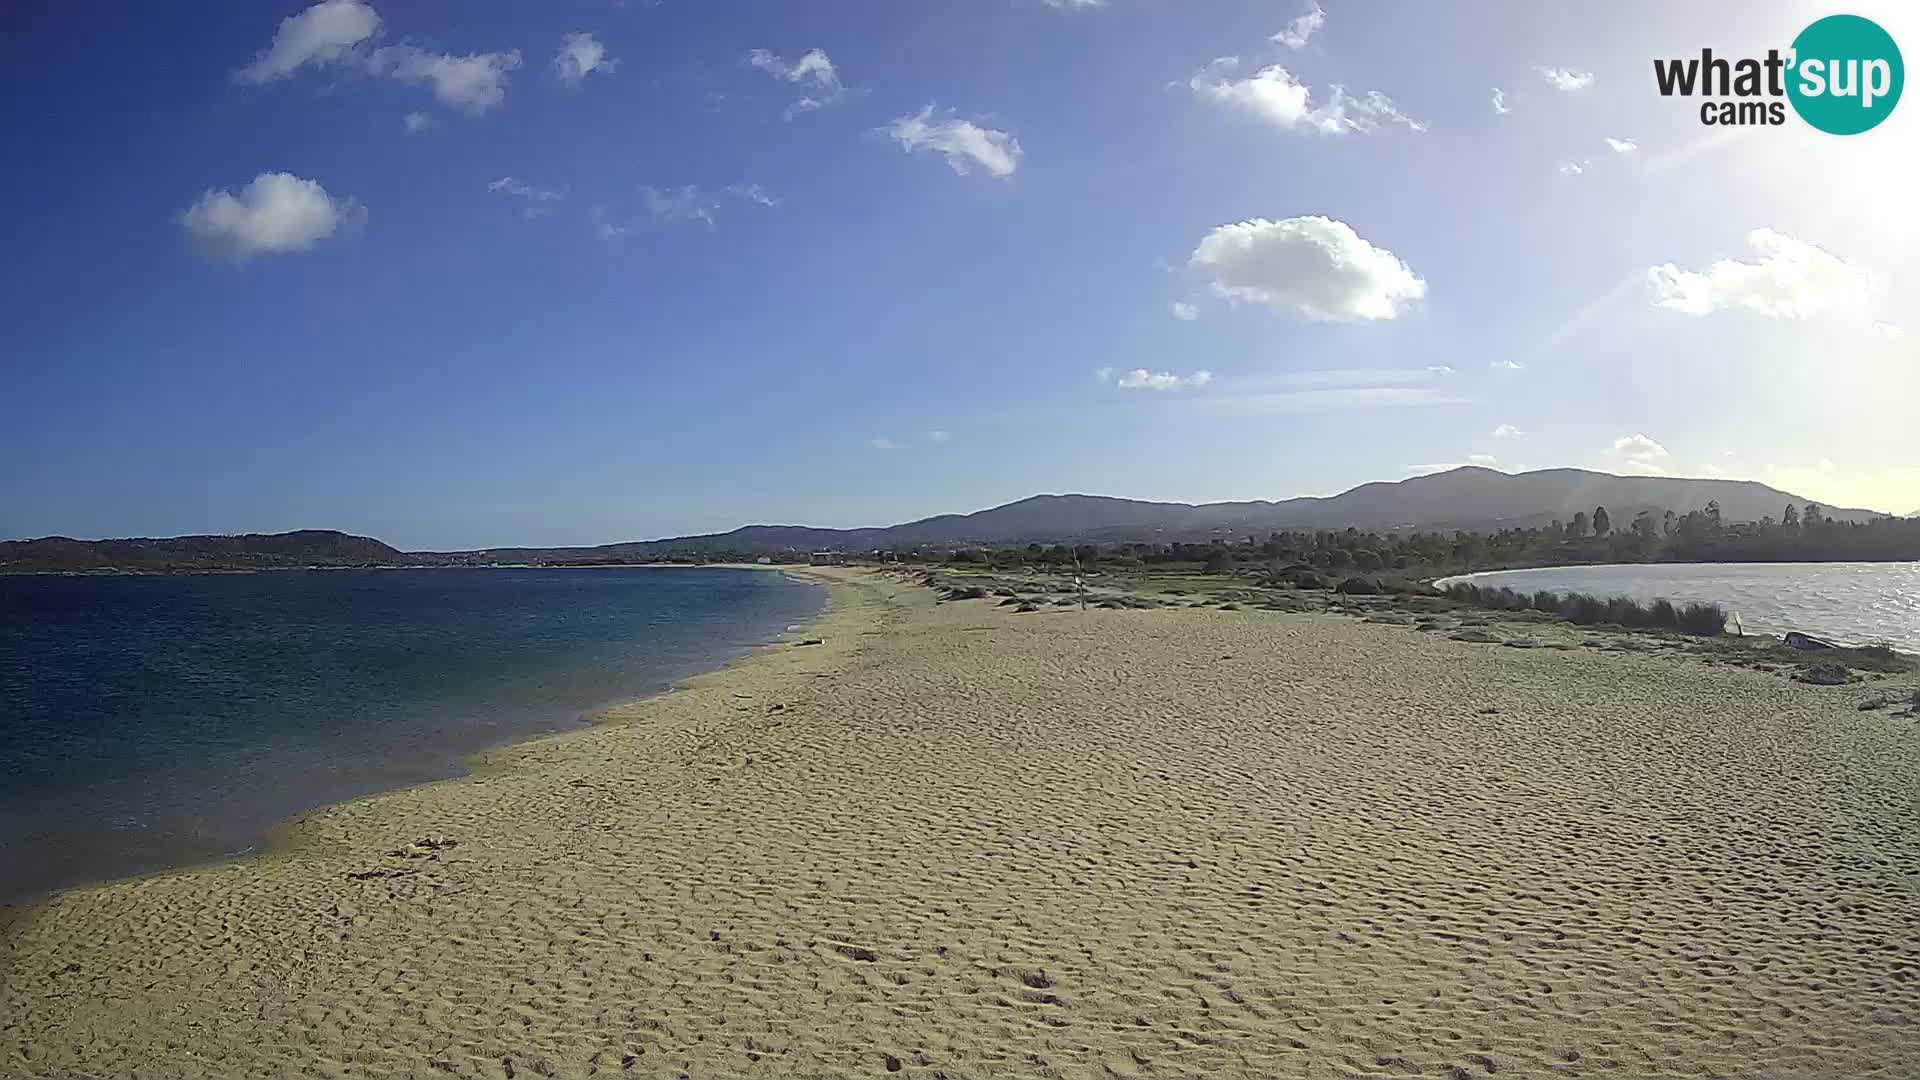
[
  {"x": 1852, "y": 603},
  {"x": 151, "y": 721}
]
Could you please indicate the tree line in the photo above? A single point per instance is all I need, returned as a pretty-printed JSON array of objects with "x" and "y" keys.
[{"x": 1800, "y": 534}]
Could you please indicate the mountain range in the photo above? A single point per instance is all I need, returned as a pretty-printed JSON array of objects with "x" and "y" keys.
[{"x": 1462, "y": 498}]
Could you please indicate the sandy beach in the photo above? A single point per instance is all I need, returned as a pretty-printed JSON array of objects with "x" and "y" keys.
[{"x": 951, "y": 840}]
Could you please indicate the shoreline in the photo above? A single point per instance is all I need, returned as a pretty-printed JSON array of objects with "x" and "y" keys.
[
  {"x": 286, "y": 836},
  {"x": 282, "y": 835},
  {"x": 1764, "y": 627},
  {"x": 959, "y": 839}
]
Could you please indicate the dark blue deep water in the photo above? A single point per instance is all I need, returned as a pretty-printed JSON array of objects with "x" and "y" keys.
[{"x": 151, "y": 721}]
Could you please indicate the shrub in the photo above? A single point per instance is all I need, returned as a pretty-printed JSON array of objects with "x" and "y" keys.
[
  {"x": 1583, "y": 610},
  {"x": 1664, "y": 615},
  {"x": 1706, "y": 620},
  {"x": 1357, "y": 586},
  {"x": 1308, "y": 579},
  {"x": 1624, "y": 612},
  {"x": 971, "y": 592}
]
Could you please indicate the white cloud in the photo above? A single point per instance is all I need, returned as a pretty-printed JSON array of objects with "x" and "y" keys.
[
  {"x": 1310, "y": 266},
  {"x": 939, "y": 436},
  {"x": 1507, "y": 431},
  {"x": 689, "y": 203},
  {"x": 882, "y": 443},
  {"x": 1622, "y": 146},
  {"x": 1482, "y": 459},
  {"x": 1566, "y": 79},
  {"x": 417, "y": 122},
  {"x": 1637, "y": 445},
  {"x": 1183, "y": 311},
  {"x": 1274, "y": 96},
  {"x": 475, "y": 83},
  {"x": 753, "y": 193},
  {"x": 814, "y": 70},
  {"x": 1500, "y": 102},
  {"x": 1789, "y": 280},
  {"x": 333, "y": 31},
  {"x": 1506, "y": 365},
  {"x": 678, "y": 206},
  {"x": 1102, "y": 374},
  {"x": 1575, "y": 168},
  {"x": 1637, "y": 453},
  {"x": 581, "y": 55},
  {"x": 1889, "y": 330},
  {"x": 965, "y": 144},
  {"x": 814, "y": 66},
  {"x": 1329, "y": 390},
  {"x": 322, "y": 34},
  {"x": 1075, "y": 5},
  {"x": 525, "y": 190},
  {"x": 539, "y": 200},
  {"x": 1301, "y": 30},
  {"x": 276, "y": 214},
  {"x": 1142, "y": 379}
]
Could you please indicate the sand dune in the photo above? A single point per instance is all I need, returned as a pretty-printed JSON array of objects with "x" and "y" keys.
[{"x": 957, "y": 841}]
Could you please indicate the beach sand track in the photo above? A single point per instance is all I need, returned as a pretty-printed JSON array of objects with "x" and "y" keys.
[{"x": 955, "y": 840}]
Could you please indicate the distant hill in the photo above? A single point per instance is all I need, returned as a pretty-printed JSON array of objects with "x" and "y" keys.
[
  {"x": 1464, "y": 498},
  {"x": 253, "y": 551}
]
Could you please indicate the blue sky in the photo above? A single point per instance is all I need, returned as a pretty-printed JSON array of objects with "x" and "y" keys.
[{"x": 487, "y": 281}]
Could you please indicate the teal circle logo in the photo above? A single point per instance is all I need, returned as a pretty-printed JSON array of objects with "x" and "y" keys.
[{"x": 1846, "y": 74}]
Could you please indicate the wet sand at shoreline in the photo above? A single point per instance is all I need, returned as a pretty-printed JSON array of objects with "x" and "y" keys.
[{"x": 952, "y": 840}]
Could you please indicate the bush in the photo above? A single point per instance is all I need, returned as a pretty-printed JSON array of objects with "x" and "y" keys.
[
  {"x": 1664, "y": 615},
  {"x": 1308, "y": 579},
  {"x": 1583, "y": 610},
  {"x": 1624, "y": 612},
  {"x": 1706, "y": 620},
  {"x": 1357, "y": 586},
  {"x": 972, "y": 592}
]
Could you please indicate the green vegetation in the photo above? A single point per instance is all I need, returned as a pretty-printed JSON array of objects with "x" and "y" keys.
[
  {"x": 1396, "y": 560},
  {"x": 1501, "y": 617},
  {"x": 1702, "y": 620}
]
